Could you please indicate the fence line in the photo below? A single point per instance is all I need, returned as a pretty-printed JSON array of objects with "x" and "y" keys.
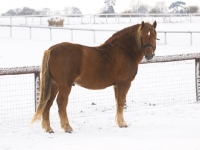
[
  {"x": 93, "y": 17},
  {"x": 92, "y": 30},
  {"x": 167, "y": 84},
  {"x": 156, "y": 59}
]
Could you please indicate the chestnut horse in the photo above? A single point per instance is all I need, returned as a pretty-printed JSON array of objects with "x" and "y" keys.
[{"x": 114, "y": 63}]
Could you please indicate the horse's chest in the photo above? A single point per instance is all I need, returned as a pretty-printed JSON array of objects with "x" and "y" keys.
[{"x": 128, "y": 71}]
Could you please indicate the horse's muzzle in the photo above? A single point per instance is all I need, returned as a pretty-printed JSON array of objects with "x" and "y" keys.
[{"x": 149, "y": 57}]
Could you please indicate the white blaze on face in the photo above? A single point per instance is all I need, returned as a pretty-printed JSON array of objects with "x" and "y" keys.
[{"x": 149, "y": 33}]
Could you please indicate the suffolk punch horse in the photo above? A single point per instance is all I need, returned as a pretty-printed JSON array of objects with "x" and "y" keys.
[{"x": 114, "y": 63}]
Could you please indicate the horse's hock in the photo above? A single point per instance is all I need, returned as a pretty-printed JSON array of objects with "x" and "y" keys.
[{"x": 58, "y": 22}]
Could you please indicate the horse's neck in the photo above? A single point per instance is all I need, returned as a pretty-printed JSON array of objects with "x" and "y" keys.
[{"x": 132, "y": 47}]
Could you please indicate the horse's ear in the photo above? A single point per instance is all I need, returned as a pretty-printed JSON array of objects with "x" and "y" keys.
[
  {"x": 155, "y": 24},
  {"x": 142, "y": 25}
]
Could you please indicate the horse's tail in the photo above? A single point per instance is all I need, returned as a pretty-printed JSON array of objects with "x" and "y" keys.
[{"x": 45, "y": 86}]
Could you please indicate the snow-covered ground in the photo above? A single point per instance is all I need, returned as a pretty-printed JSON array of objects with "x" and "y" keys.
[
  {"x": 172, "y": 128},
  {"x": 161, "y": 128}
]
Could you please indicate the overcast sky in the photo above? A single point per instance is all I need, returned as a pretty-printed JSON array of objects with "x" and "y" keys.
[{"x": 86, "y": 6}]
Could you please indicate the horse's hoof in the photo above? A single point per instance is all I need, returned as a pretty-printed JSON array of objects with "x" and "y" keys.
[
  {"x": 68, "y": 131},
  {"x": 51, "y": 132},
  {"x": 67, "y": 128},
  {"x": 124, "y": 126}
]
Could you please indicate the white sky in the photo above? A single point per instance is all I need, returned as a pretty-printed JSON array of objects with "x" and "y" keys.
[{"x": 86, "y": 6}]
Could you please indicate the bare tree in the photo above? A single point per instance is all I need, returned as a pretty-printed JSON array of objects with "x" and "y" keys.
[
  {"x": 142, "y": 8},
  {"x": 12, "y": 12},
  {"x": 110, "y": 2},
  {"x": 28, "y": 11},
  {"x": 72, "y": 10},
  {"x": 159, "y": 7},
  {"x": 192, "y": 9},
  {"x": 45, "y": 11},
  {"x": 138, "y": 7},
  {"x": 109, "y": 6},
  {"x": 19, "y": 11}
]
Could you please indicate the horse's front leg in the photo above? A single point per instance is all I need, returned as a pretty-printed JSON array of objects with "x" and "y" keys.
[
  {"x": 121, "y": 90},
  {"x": 62, "y": 101}
]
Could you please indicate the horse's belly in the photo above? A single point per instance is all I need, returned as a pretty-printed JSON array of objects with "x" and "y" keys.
[{"x": 94, "y": 84}]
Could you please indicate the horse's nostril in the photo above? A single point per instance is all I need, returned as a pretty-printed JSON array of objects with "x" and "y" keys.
[{"x": 149, "y": 57}]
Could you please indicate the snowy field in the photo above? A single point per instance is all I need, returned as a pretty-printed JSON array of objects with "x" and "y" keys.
[
  {"x": 158, "y": 128},
  {"x": 174, "y": 128}
]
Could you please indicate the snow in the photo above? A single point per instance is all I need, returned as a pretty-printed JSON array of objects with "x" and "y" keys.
[
  {"x": 159, "y": 129},
  {"x": 156, "y": 128}
]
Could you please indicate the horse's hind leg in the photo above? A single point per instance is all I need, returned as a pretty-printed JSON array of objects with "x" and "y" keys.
[
  {"x": 121, "y": 90},
  {"x": 62, "y": 101},
  {"x": 45, "y": 115}
]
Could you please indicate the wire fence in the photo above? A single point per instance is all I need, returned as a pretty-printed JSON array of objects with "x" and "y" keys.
[
  {"x": 16, "y": 98},
  {"x": 174, "y": 81}
]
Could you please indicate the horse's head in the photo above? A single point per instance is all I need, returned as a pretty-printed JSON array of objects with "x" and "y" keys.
[{"x": 148, "y": 39}]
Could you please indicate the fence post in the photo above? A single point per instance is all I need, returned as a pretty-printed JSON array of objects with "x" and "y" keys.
[
  {"x": 50, "y": 34},
  {"x": 37, "y": 88},
  {"x": 165, "y": 38},
  {"x": 94, "y": 36},
  {"x": 30, "y": 32},
  {"x": 71, "y": 35},
  {"x": 25, "y": 20},
  {"x": 197, "y": 79},
  {"x": 118, "y": 19},
  {"x": 10, "y": 31},
  {"x": 40, "y": 20},
  {"x": 10, "y": 20}
]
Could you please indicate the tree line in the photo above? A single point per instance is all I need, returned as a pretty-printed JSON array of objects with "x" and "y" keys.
[
  {"x": 43, "y": 11},
  {"x": 160, "y": 7},
  {"x": 135, "y": 7}
]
